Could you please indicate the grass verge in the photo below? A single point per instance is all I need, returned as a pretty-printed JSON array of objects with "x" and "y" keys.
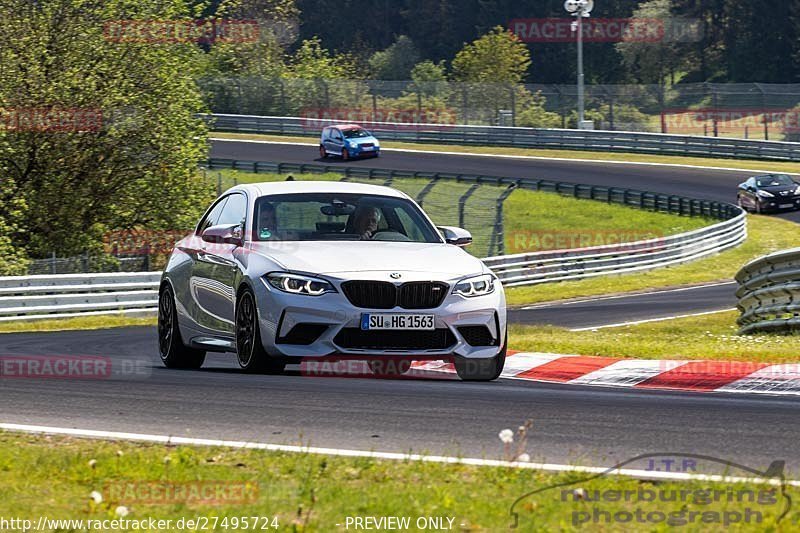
[
  {"x": 51, "y": 476},
  {"x": 771, "y": 166},
  {"x": 65, "y": 324},
  {"x": 765, "y": 235},
  {"x": 701, "y": 337}
]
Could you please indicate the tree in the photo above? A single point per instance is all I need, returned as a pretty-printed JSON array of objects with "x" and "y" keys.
[
  {"x": 430, "y": 79},
  {"x": 244, "y": 76},
  {"x": 497, "y": 57},
  {"x": 120, "y": 145},
  {"x": 13, "y": 258},
  {"x": 396, "y": 62},
  {"x": 317, "y": 79},
  {"x": 491, "y": 70},
  {"x": 654, "y": 62}
]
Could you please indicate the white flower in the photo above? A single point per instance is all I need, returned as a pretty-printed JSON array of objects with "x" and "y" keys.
[
  {"x": 121, "y": 511},
  {"x": 524, "y": 458},
  {"x": 579, "y": 494},
  {"x": 119, "y": 453},
  {"x": 92, "y": 463},
  {"x": 506, "y": 436},
  {"x": 96, "y": 496},
  {"x": 167, "y": 459}
]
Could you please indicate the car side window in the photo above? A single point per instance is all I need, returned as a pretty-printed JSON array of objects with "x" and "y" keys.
[
  {"x": 235, "y": 210},
  {"x": 326, "y": 133},
  {"x": 336, "y": 135},
  {"x": 211, "y": 218}
]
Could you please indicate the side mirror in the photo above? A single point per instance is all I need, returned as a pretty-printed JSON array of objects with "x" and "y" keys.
[
  {"x": 455, "y": 236},
  {"x": 226, "y": 234}
]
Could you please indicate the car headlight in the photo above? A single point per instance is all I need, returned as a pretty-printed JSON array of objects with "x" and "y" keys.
[
  {"x": 765, "y": 194},
  {"x": 475, "y": 286},
  {"x": 797, "y": 190},
  {"x": 352, "y": 144},
  {"x": 297, "y": 284}
]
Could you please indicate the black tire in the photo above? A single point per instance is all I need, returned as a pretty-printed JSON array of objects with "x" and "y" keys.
[
  {"x": 487, "y": 369},
  {"x": 322, "y": 153},
  {"x": 174, "y": 354},
  {"x": 249, "y": 350},
  {"x": 345, "y": 155},
  {"x": 389, "y": 367}
]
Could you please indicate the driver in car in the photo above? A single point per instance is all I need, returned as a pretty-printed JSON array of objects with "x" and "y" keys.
[{"x": 365, "y": 222}]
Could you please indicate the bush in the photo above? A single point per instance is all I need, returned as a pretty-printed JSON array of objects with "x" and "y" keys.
[{"x": 536, "y": 116}]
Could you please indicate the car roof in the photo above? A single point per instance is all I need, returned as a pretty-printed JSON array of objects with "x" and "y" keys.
[
  {"x": 296, "y": 187},
  {"x": 346, "y": 126}
]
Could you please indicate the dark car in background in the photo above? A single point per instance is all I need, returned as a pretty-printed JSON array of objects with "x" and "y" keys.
[
  {"x": 769, "y": 192},
  {"x": 348, "y": 141}
]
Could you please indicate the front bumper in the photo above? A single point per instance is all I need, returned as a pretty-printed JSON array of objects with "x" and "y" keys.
[
  {"x": 779, "y": 203},
  {"x": 358, "y": 151},
  {"x": 279, "y": 312}
]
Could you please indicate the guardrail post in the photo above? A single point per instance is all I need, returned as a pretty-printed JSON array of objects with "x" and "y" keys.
[
  {"x": 462, "y": 201},
  {"x": 427, "y": 188}
]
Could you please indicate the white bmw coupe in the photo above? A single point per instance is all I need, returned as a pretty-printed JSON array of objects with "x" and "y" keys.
[{"x": 278, "y": 272}]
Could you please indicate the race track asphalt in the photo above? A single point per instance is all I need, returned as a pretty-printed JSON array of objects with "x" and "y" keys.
[{"x": 439, "y": 415}]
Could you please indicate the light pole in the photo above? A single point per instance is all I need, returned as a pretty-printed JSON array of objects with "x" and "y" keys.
[{"x": 580, "y": 9}]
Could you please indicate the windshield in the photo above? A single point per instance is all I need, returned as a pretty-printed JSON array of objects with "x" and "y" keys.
[
  {"x": 774, "y": 180},
  {"x": 356, "y": 133},
  {"x": 334, "y": 216}
]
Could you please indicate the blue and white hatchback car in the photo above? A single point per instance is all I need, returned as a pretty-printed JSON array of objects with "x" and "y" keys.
[{"x": 348, "y": 141}]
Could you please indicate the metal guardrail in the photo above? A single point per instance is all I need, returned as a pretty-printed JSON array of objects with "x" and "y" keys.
[
  {"x": 769, "y": 293},
  {"x": 70, "y": 295},
  {"x": 563, "y": 265},
  {"x": 607, "y": 141}
]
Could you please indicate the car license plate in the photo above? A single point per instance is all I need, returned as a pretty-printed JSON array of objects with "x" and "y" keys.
[
  {"x": 786, "y": 206},
  {"x": 370, "y": 321},
  {"x": 367, "y": 148}
]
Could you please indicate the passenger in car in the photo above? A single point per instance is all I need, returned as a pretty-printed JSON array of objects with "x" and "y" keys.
[{"x": 267, "y": 221}]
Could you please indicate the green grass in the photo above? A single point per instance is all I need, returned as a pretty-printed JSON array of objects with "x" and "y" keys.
[
  {"x": 765, "y": 235},
  {"x": 535, "y": 220},
  {"x": 64, "y": 324},
  {"x": 51, "y": 476},
  {"x": 712, "y": 336},
  {"x": 755, "y": 164}
]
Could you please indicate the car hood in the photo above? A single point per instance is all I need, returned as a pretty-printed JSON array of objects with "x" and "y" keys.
[
  {"x": 331, "y": 257},
  {"x": 779, "y": 189}
]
